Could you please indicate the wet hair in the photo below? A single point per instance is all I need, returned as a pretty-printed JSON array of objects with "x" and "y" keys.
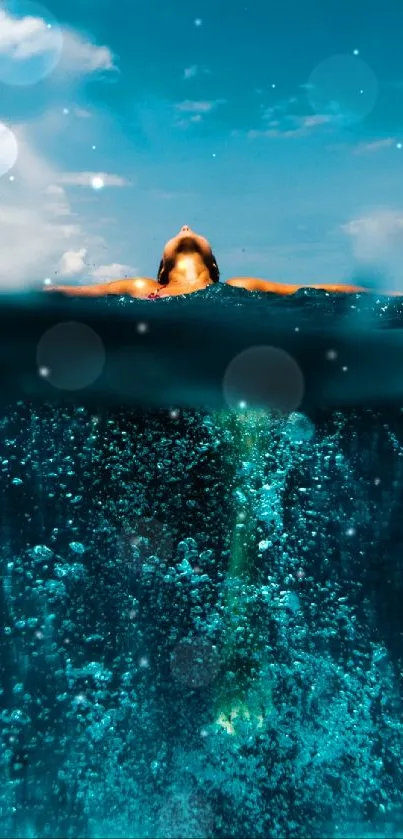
[
  {"x": 165, "y": 268},
  {"x": 164, "y": 271},
  {"x": 211, "y": 263}
]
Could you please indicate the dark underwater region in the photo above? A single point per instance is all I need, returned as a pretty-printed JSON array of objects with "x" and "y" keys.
[
  {"x": 202, "y": 579},
  {"x": 178, "y": 350}
]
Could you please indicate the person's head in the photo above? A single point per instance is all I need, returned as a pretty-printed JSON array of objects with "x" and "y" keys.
[{"x": 187, "y": 241}]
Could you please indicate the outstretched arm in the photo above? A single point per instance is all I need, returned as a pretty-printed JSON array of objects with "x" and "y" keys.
[
  {"x": 254, "y": 284},
  {"x": 136, "y": 287}
]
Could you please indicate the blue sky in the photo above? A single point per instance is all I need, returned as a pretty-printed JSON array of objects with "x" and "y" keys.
[{"x": 273, "y": 128}]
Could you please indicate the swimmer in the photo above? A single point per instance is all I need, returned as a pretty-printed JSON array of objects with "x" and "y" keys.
[{"x": 187, "y": 265}]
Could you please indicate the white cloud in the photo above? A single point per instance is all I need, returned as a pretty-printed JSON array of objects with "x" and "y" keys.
[
  {"x": 190, "y": 72},
  {"x": 72, "y": 263},
  {"x": 26, "y": 37},
  {"x": 58, "y": 204},
  {"x": 288, "y": 125},
  {"x": 374, "y": 232},
  {"x": 40, "y": 234},
  {"x": 82, "y": 113},
  {"x": 54, "y": 189},
  {"x": 280, "y": 120},
  {"x": 80, "y": 56},
  {"x": 195, "y": 70},
  {"x": 30, "y": 242},
  {"x": 280, "y": 108},
  {"x": 86, "y": 179},
  {"x": 32, "y": 234},
  {"x": 115, "y": 271},
  {"x": 8, "y": 149},
  {"x": 205, "y": 106},
  {"x": 377, "y": 240},
  {"x": 194, "y": 110},
  {"x": 30, "y": 37},
  {"x": 376, "y": 145},
  {"x": 315, "y": 119},
  {"x": 276, "y": 132}
]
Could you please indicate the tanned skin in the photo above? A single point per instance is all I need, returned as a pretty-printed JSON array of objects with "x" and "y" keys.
[
  {"x": 254, "y": 284},
  {"x": 187, "y": 265}
]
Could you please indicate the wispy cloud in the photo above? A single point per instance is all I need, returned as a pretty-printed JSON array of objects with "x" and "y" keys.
[
  {"x": 190, "y": 72},
  {"x": 41, "y": 235},
  {"x": 81, "y": 57},
  {"x": 315, "y": 120},
  {"x": 193, "y": 111},
  {"x": 114, "y": 271},
  {"x": 75, "y": 264},
  {"x": 375, "y": 230},
  {"x": 23, "y": 38},
  {"x": 288, "y": 118},
  {"x": 57, "y": 203},
  {"x": 26, "y": 37},
  {"x": 292, "y": 126},
  {"x": 32, "y": 238},
  {"x": 72, "y": 263},
  {"x": 377, "y": 240},
  {"x": 82, "y": 113},
  {"x": 374, "y": 146},
  {"x": 280, "y": 108},
  {"x": 270, "y": 133},
  {"x": 200, "y": 107},
  {"x": 84, "y": 179},
  {"x": 195, "y": 70}
]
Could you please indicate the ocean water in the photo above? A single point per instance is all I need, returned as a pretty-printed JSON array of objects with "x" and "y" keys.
[{"x": 202, "y": 577}]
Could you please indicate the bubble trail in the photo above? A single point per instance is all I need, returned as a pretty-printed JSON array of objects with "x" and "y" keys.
[{"x": 168, "y": 565}]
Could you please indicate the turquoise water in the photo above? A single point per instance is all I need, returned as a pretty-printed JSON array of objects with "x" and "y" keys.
[{"x": 164, "y": 566}]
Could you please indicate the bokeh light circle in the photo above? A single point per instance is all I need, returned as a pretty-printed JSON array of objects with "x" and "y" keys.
[
  {"x": 145, "y": 537},
  {"x": 343, "y": 88},
  {"x": 263, "y": 377},
  {"x": 31, "y": 43},
  {"x": 97, "y": 182},
  {"x": 299, "y": 428},
  {"x": 8, "y": 149},
  {"x": 195, "y": 662},
  {"x": 72, "y": 354}
]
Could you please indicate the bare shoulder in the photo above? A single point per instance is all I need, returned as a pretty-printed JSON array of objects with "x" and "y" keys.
[
  {"x": 141, "y": 286},
  {"x": 131, "y": 287}
]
